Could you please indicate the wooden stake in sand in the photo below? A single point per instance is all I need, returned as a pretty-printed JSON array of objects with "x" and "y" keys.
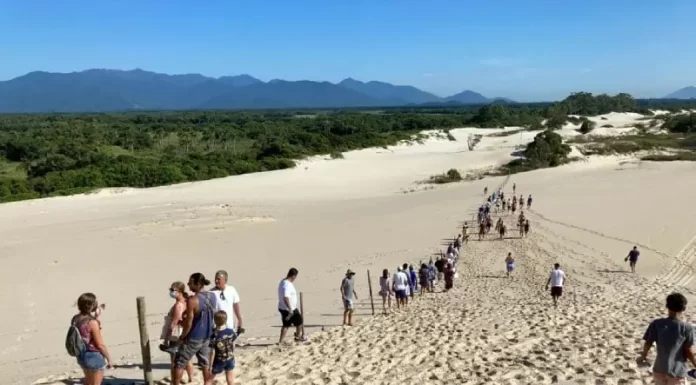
[
  {"x": 301, "y": 307},
  {"x": 144, "y": 341},
  {"x": 369, "y": 284}
]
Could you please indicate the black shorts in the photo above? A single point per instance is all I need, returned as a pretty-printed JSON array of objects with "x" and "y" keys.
[
  {"x": 557, "y": 291},
  {"x": 295, "y": 319}
]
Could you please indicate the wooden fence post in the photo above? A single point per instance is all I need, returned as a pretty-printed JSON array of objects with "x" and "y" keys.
[
  {"x": 302, "y": 306},
  {"x": 144, "y": 341},
  {"x": 369, "y": 283}
]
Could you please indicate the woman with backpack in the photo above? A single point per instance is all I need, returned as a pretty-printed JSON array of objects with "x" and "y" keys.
[{"x": 85, "y": 341}]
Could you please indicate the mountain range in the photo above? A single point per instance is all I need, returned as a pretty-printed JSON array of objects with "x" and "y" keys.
[
  {"x": 104, "y": 90},
  {"x": 98, "y": 90},
  {"x": 684, "y": 93}
]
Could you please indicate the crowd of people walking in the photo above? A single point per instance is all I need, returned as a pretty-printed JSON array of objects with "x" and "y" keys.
[{"x": 205, "y": 323}]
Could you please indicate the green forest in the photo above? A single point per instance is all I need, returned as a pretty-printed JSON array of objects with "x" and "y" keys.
[{"x": 61, "y": 154}]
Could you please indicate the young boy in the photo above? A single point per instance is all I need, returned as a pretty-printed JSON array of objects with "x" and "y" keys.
[
  {"x": 673, "y": 338},
  {"x": 222, "y": 345}
]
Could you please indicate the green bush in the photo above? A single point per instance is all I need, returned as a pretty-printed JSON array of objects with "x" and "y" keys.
[
  {"x": 587, "y": 126},
  {"x": 452, "y": 175}
]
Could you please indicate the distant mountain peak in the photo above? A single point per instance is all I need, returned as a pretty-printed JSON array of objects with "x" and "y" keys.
[{"x": 684, "y": 93}]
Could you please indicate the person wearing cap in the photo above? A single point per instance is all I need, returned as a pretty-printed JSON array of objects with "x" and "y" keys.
[
  {"x": 228, "y": 301},
  {"x": 348, "y": 294}
]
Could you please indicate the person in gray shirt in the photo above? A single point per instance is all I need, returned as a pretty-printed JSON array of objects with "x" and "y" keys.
[
  {"x": 673, "y": 339},
  {"x": 348, "y": 295}
]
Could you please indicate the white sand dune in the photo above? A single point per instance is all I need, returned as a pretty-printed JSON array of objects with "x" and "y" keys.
[{"x": 329, "y": 215}]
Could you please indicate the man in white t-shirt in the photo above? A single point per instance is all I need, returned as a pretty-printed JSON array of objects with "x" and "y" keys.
[
  {"x": 556, "y": 279},
  {"x": 228, "y": 301},
  {"x": 400, "y": 283},
  {"x": 287, "y": 306}
]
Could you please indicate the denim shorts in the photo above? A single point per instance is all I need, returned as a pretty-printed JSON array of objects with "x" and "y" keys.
[
  {"x": 92, "y": 361},
  {"x": 219, "y": 367}
]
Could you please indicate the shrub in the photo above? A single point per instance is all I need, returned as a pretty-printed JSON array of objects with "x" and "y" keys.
[
  {"x": 587, "y": 126},
  {"x": 452, "y": 175},
  {"x": 336, "y": 155}
]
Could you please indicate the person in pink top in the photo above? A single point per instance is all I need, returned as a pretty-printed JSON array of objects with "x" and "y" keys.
[
  {"x": 96, "y": 357},
  {"x": 171, "y": 328}
]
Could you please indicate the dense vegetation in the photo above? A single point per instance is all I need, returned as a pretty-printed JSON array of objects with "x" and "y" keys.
[{"x": 59, "y": 154}]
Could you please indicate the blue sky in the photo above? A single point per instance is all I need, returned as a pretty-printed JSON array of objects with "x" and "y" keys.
[{"x": 523, "y": 49}]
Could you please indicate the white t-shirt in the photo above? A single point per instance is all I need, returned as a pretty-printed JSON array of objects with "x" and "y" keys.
[
  {"x": 400, "y": 281},
  {"x": 557, "y": 278},
  {"x": 231, "y": 297},
  {"x": 287, "y": 289}
]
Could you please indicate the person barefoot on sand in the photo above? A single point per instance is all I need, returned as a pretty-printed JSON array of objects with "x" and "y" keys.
[
  {"x": 632, "y": 257},
  {"x": 197, "y": 328},
  {"x": 509, "y": 205},
  {"x": 385, "y": 290},
  {"x": 348, "y": 295},
  {"x": 514, "y": 187},
  {"x": 674, "y": 339},
  {"x": 502, "y": 230},
  {"x": 529, "y": 201},
  {"x": 93, "y": 356},
  {"x": 465, "y": 232},
  {"x": 509, "y": 264},
  {"x": 485, "y": 191},
  {"x": 521, "y": 201},
  {"x": 514, "y": 206},
  {"x": 556, "y": 278},
  {"x": 287, "y": 307}
]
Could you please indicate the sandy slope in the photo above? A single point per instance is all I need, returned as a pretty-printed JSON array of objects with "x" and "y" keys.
[{"x": 326, "y": 216}]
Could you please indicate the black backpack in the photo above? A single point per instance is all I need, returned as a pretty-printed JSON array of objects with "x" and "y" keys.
[{"x": 74, "y": 343}]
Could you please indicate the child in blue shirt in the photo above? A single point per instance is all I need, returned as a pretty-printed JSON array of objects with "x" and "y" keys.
[{"x": 222, "y": 349}]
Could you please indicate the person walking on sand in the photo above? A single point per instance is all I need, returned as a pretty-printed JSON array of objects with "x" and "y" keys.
[
  {"x": 521, "y": 202},
  {"x": 287, "y": 307},
  {"x": 449, "y": 276},
  {"x": 197, "y": 328},
  {"x": 222, "y": 349},
  {"x": 228, "y": 301},
  {"x": 348, "y": 295},
  {"x": 85, "y": 342},
  {"x": 171, "y": 329},
  {"x": 485, "y": 191},
  {"x": 413, "y": 279},
  {"x": 400, "y": 284},
  {"x": 432, "y": 275},
  {"x": 424, "y": 278},
  {"x": 502, "y": 230},
  {"x": 632, "y": 258},
  {"x": 509, "y": 264},
  {"x": 674, "y": 339},
  {"x": 385, "y": 291},
  {"x": 529, "y": 202},
  {"x": 526, "y": 227},
  {"x": 465, "y": 232},
  {"x": 556, "y": 279},
  {"x": 482, "y": 230},
  {"x": 514, "y": 187}
]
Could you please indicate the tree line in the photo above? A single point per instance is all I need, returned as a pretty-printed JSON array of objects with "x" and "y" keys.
[{"x": 61, "y": 154}]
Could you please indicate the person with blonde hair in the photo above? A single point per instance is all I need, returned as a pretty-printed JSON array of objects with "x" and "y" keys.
[
  {"x": 171, "y": 329},
  {"x": 92, "y": 354},
  {"x": 222, "y": 350}
]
